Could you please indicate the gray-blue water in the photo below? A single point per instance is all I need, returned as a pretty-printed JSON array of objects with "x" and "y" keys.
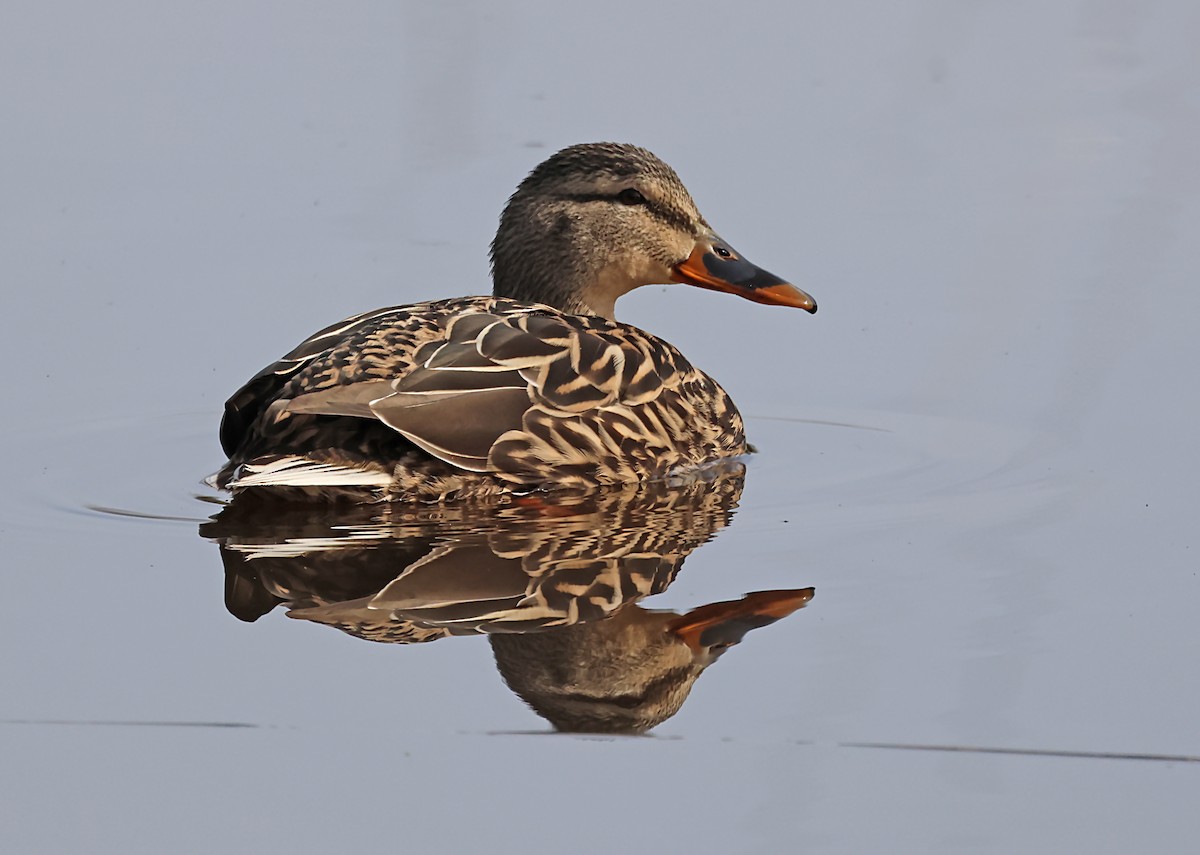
[{"x": 981, "y": 452}]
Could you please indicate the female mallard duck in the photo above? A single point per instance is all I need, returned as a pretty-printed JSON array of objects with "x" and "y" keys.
[{"x": 534, "y": 387}]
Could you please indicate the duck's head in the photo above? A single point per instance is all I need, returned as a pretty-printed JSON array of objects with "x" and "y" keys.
[
  {"x": 633, "y": 670},
  {"x": 597, "y": 220}
]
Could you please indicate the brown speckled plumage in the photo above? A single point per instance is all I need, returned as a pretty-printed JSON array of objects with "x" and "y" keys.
[
  {"x": 479, "y": 397},
  {"x": 372, "y": 570},
  {"x": 556, "y": 585}
]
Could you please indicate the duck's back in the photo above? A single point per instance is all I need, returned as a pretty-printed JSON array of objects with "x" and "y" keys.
[{"x": 470, "y": 397}]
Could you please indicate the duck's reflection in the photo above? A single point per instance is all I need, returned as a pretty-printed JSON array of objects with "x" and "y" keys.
[{"x": 553, "y": 582}]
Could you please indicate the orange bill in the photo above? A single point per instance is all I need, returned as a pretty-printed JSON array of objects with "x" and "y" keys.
[
  {"x": 714, "y": 264},
  {"x": 724, "y": 624}
]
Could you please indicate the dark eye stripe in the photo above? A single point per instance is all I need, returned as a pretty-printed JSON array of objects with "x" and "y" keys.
[
  {"x": 589, "y": 197},
  {"x": 667, "y": 215}
]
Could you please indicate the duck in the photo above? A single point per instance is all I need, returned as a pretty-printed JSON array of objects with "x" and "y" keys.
[{"x": 534, "y": 388}]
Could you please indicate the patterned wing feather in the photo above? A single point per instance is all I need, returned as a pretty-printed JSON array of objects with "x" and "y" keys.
[{"x": 458, "y": 427}]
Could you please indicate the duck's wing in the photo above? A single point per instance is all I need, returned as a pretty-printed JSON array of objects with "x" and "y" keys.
[
  {"x": 248, "y": 403},
  {"x": 487, "y": 385},
  {"x": 416, "y": 369},
  {"x": 524, "y": 393}
]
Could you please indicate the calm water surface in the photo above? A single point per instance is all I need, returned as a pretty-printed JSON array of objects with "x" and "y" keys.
[{"x": 980, "y": 454}]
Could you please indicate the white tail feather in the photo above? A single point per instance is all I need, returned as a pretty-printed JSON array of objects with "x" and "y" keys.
[{"x": 301, "y": 472}]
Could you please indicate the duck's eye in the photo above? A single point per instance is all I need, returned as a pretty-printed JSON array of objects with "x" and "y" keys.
[{"x": 630, "y": 196}]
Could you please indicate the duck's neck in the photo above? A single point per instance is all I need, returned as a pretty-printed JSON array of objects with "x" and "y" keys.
[
  {"x": 571, "y": 294},
  {"x": 543, "y": 257}
]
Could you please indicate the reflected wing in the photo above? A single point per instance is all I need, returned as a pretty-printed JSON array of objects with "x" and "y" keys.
[{"x": 377, "y": 571}]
